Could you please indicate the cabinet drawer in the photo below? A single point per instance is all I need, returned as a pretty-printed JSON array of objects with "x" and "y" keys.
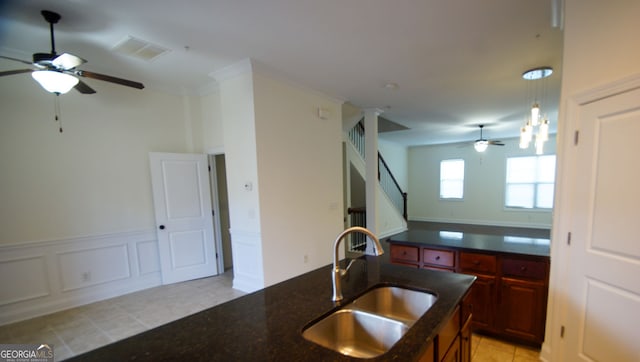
[
  {"x": 524, "y": 268},
  {"x": 438, "y": 257},
  {"x": 481, "y": 263},
  {"x": 406, "y": 253}
]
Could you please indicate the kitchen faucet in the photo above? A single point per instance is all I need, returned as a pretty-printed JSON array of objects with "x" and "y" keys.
[{"x": 339, "y": 273}]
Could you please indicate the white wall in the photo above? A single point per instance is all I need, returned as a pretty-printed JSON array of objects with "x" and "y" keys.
[
  {"x": 77, "y": 221},
  {"x": 299, "y": 166},
  {"x": 93, "y": 178},
  {"x": 484, "y": 189},
  {"x": 284, "y": 224},
  {"x": 396, "y": 156}
]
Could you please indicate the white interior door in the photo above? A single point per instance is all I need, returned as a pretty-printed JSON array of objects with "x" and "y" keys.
[
  {"x": 181, "y": 197},
  {"x": 603, "y": 313}
]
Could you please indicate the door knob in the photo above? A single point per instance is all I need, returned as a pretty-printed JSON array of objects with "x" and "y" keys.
[{"x": 161, "y": 227}]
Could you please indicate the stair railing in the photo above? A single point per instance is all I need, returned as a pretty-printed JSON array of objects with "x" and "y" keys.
[
  {"x": 358, "y": 217},
  {"x": 387, "y": 181},
  {"x": 391, "y": 187}
]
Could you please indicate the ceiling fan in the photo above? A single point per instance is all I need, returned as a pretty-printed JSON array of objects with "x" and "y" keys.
[
  {"x": 58, "y": 73},
  {"x": 481, "y": 144}
]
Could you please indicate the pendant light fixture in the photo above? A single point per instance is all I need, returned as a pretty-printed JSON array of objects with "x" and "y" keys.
[{"x": 537, "y": 123}]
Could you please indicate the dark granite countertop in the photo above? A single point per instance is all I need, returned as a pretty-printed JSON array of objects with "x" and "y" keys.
[
  {"x": 267, "y": 325},
  {"x": 512, "y": 244}
]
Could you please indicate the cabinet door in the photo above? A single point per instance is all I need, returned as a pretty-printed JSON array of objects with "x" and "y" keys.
[
  {"x": 522, "y": 309},
  {"x": 453, "y": 354},
  {"x": 429, "y": 354},
  {"x": 465, "y": 342},
  {"x": 482, "y": 301}
]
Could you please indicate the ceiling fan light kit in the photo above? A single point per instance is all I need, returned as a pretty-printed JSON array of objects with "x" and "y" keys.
[
  {"x": 482, "y": 144},
  {"x": 58, "y": 73},
  {"x": 55, "y": 82},
  {"x": 536, "y": 124}
]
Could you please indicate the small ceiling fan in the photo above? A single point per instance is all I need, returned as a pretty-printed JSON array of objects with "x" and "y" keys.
[
  {"x": 481, "y": 144},
  {"x": 58, "y": 73}
]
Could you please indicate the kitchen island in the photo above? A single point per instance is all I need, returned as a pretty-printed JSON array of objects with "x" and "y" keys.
[{"x": 267, "y": 325}]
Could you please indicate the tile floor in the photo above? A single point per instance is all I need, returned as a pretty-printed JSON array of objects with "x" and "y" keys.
[
  {"x": 84, "y": 328},
  {"x": 487, "y": 349}
]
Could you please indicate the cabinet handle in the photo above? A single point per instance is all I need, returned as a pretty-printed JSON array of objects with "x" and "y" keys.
[
  {"x": 161, "y": 227},
  {"x": 476, "y": 262},
  {"x": 438, "y": 257},
  {"x": 523, "y": 268}
]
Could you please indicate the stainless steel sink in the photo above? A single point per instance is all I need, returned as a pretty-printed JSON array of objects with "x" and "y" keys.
[
  {"x": 356, "y": 333},
  {"x": 401, "y": 304},
  {"x": 371, "y": 324}
]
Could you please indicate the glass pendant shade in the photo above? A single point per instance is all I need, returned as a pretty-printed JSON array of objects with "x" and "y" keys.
[
  {"x": 55, "y": 82},
  {"x": 535, "y": 114},
  {"x": 481, "y": 145},
  {"x": 543, "y": 131},
  {"x": 525, "y": 138}
]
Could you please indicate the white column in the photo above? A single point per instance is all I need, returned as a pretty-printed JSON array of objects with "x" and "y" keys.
[{"x": 371, "y": 169}]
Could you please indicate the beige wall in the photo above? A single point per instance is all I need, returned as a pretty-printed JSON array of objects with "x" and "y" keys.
[
  {"x": 92, "y": 179},
  {"x": 299, "y": 167},
  {"x": 484, "y": 188}
]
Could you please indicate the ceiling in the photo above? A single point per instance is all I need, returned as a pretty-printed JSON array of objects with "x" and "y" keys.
[{"x": 455, "y": 63}]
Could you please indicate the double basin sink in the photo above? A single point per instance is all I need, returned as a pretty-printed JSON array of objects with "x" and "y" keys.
[{"x": 371, "y": 324}]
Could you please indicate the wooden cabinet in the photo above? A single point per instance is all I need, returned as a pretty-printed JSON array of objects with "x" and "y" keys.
[
  {"x": 509, "y": 296},
  {"x": 481, "y": 299},
  {"x": 465, "y": 342},
  {"x": 453, "y": 342},
  {"x": 523, "y": 287},
  {"x": 453, "y": 354}
]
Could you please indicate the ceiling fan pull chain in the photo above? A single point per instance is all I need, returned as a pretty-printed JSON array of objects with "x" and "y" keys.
[{"x": 56, "y": 107}]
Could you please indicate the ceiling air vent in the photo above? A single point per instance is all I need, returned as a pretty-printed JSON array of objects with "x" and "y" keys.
[{"x": 140, "y": 49}]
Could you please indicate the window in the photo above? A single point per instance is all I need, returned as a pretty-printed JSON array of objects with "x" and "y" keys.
[
  {"x": 451, "y": 179},
  {"x": 530, "y": 182}
]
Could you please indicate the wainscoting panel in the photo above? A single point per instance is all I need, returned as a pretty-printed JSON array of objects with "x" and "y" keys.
[
  {"x": 83, "y": 268},
  {"x": 248, "y": 274},
  {"x": 31, "y": 272},
  {"x": 148, "y": 258},
  {"x": 43, "y": 277}
]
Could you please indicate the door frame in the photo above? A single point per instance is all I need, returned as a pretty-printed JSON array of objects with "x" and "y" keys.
[{"x": 215, "y": 203}]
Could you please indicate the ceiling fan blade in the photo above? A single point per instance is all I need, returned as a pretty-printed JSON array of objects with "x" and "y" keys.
[
  {"x": 17, "y": 71},
  {"x": 16, "y": 60},
  {"x": 108, "y": 78},
  {"x": 496, "y": 143},
  {"x": 67, "y": 61},
  {"x": 83, "y": 88}
]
